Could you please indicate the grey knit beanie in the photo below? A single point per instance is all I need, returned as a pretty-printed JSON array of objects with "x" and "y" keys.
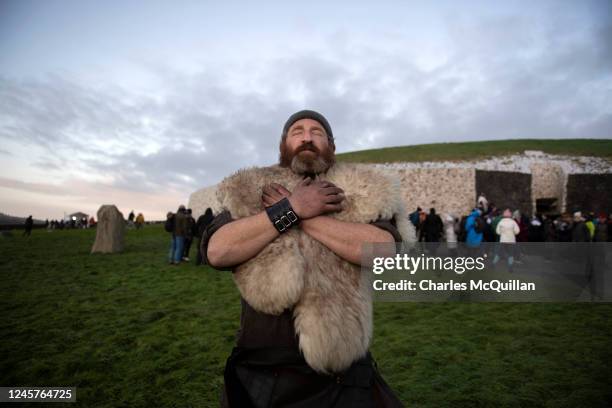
[{"x": 309, "y": 114}]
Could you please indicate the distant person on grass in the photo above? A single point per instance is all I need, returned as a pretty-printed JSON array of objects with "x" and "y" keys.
[
  {"x": 601, "y": 229},
  {"x": 450, "y": 233},
  {"x": 580, "y": 232},
  {"x": 29, "y": 223},
  {"x": 190, "y": 231},
  {"x": 432, "y": 231},
  {"x": 507, "y": 229},
  {"x": 432, "y": 228},
  {"x": 474, "y": 228},
  {"x": 139, "y": 221},
  {"x": 179, "y": 233},
  {"x": 414, "y": 217},
  {"x": 169, "y": 227},
  {"x": 294, "y": 246},
  {"x": 130, "y": 221}
]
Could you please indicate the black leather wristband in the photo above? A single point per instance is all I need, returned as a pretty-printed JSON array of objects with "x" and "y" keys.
[{"x": 282, "y": 215}]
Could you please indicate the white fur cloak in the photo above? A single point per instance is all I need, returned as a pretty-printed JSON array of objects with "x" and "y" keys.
[{"x": 330, "y": 297}]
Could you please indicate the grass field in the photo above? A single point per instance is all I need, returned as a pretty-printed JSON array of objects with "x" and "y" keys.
[
  {"x": 479, "y": 150},
  {"x": 130, "y": 331}
]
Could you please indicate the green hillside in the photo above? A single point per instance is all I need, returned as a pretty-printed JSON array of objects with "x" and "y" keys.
[{"x": 479, "y": 150}]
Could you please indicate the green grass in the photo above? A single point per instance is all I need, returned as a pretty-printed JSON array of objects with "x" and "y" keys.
[
  {"x": 130, "y": 331},
  {"x": 479, "y": 150}
]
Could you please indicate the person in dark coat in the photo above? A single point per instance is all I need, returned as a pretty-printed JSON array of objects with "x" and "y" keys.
[
  {"x": 563, "y": 226},
  {"x": 29, "y": 222},
  {"x": 201, "y": 224},
  {"x": 580, "y": 232},
  {"x": 190, "y": 233},
  {"x": 550, "y": 234},
  {"x": 432, "y": 230},
  {"x": 601, "y": 229},
  {"x": 433, "y": 227},
  {"x": 535, "y": 230},
  {"x": 488, "y": 235},
  {"x": 179, "y": 233}
]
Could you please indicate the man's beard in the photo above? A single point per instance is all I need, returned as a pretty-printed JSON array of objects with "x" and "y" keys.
[{"x": 306, "y": 165}]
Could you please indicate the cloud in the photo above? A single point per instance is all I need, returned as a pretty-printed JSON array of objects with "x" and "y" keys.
[{"x": 497, "y": 77}]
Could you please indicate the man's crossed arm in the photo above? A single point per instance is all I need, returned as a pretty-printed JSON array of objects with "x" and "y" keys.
[{"x": 241, "y": 240}]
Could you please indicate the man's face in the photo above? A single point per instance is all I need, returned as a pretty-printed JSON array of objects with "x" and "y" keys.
[{"x": 306, "y": 149}]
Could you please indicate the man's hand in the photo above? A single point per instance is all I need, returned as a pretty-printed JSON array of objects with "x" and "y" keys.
[
  {"x": 312, "y": 198},
  {"x": 273, "y": 193}
]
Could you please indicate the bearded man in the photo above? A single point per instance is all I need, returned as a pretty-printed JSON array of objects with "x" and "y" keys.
[{"x": 292, "y": 234}]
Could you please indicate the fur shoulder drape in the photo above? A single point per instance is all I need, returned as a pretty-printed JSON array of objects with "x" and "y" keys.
[{"x": 330, "y": 297}]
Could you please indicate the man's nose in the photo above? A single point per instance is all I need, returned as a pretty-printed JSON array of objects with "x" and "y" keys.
[{"x": 306, "y": 137}]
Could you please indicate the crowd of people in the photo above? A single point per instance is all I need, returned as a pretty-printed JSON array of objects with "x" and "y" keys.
[
  {"x": 75, "y": 223},
  {"x": 483, "y": 225},
  {"x": 183, "y": 229},
  {"x": 488, "y": 223},
  {"x": 133, "y": 221}
]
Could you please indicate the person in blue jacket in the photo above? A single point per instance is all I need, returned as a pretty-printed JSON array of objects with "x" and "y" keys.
[{"x": 474, "y": 236}]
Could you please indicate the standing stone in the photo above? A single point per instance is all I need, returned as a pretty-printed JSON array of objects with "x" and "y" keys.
[{"x": 109, "y": 231}]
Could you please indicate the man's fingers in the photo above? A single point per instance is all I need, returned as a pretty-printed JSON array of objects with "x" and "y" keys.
[
  {"x": 334, "y": 199},
  {"x": 281, "y": 189},
  {"x": 332, "y": 207},
  {"x": 269, "y": 199},
  {"x": 269, "y": 192},
  {"x": 332, "y": 190},
  {"x": 325, "y": 183}
]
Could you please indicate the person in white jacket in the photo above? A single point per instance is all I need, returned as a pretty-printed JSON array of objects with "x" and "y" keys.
[
  {"x": 507, "y": 229},
  {"x": 449, "y": 232}
]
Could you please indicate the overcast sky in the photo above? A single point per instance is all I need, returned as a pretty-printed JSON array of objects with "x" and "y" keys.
[{"x": 141, "y": 103}]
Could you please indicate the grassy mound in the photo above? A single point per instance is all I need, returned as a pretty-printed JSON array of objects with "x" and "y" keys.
[{"x": 479, "y": 150}]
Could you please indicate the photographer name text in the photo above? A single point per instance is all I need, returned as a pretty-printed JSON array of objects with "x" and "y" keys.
[{"x": 512, "y": 285}]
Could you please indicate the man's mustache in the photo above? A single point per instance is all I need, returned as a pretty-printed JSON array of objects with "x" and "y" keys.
[{"x": 307, "y": 146}]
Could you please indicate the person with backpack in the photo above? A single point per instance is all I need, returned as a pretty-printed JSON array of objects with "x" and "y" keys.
[
  {"x": 474, "y": 227},
  {"x": 414, "y": 217}
]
